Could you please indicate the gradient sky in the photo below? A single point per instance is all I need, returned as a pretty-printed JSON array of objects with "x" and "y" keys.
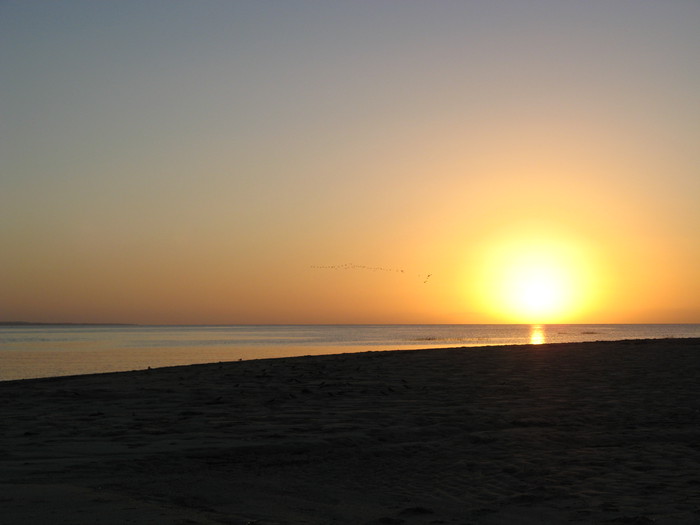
[{"x": 208, "y": 162}]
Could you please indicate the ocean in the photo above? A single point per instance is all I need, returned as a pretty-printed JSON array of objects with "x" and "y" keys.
[{"x": 32, "y": 351}]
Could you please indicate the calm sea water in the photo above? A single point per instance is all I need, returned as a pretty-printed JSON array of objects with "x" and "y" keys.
[{"x": 45, "y": 351}]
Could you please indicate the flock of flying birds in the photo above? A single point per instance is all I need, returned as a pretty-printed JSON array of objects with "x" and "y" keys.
[{"x": 352, "y": 266}]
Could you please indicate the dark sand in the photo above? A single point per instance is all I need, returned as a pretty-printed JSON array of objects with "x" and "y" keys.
[{"x": 562, "y": 433}]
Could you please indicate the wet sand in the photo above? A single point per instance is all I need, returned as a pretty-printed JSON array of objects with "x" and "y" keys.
[{"x": 565, "y": 433}]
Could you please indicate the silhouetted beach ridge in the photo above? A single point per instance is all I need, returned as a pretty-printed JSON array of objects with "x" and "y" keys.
[{"x": 594, "y": 432}]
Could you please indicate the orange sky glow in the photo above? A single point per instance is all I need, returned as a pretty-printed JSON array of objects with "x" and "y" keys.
[{"x": 234, "y": 163}]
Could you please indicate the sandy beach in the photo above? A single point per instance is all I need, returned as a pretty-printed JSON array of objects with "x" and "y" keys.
[{"x": 562, "y": 433}]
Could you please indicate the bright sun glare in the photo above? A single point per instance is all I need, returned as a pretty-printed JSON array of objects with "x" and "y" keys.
[
  {"x": 536, "y": 286},
  {"x": 528, "y": 281}
]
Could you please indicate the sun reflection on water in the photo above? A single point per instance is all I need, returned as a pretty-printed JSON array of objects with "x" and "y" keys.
[{"x": 537, "y": 334}]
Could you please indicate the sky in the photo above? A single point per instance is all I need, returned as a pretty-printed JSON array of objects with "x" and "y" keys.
[{"x": 210, "y": 162}]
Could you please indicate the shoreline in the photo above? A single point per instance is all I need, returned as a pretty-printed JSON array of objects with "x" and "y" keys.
[
  {"x": 359, "y": 352},
  {"x": 30, "y": 324},
  {"x": 40, "y": 351},
  {"x": 592, "y": 432}
]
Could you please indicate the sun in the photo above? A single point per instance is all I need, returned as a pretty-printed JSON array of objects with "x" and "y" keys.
[
  {"x": 534, "y": 280},
  {"x": 535, "y": 286}
]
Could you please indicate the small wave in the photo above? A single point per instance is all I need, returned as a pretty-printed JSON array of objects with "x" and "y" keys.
[{"x": 433, "y": 339}]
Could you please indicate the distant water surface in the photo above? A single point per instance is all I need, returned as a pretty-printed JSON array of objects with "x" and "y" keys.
[{"x": 58, "y": 350}]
